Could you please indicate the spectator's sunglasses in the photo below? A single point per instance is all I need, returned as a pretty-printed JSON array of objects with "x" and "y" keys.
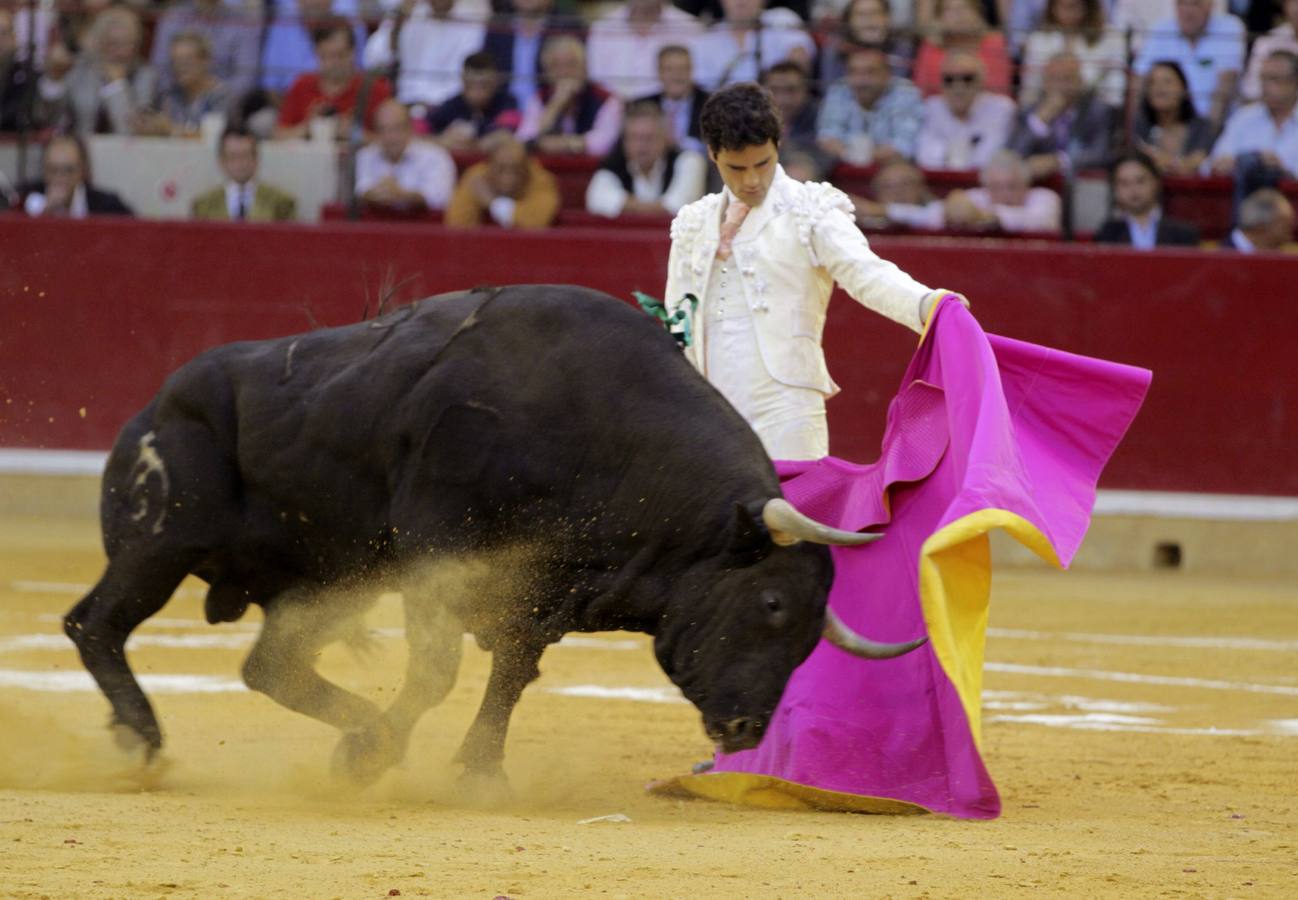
[{"x": 963, "y": 78}]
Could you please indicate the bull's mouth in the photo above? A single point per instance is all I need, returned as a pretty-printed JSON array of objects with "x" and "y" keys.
[{"x": 737, "y": 733}]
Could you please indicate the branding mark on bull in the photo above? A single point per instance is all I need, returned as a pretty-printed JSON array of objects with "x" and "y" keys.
[{"x": 147, "y": 463}]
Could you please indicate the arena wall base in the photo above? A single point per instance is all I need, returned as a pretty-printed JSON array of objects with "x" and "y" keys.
[
  {"x": 1205, "y": 535},
  {"x": 1250, "y": 537}
]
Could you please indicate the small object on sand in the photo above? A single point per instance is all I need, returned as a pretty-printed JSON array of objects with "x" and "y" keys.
[{"x": 615, "y": 817}]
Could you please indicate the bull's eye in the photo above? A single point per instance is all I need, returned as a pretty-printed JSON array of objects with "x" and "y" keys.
[{"x": 773, "y": 603}]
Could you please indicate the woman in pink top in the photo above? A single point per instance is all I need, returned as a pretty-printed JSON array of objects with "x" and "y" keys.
[{"x": 960, "y": 24}]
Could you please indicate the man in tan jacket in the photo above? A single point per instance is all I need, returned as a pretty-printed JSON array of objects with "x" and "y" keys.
[
  {"x": 509, "y": 189},
  {"x": 761, "y": 259},
  {"x": 242, "y": 197}
]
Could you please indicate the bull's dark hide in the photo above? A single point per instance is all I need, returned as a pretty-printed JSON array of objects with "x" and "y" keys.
[{"x": 552, "y": 431}]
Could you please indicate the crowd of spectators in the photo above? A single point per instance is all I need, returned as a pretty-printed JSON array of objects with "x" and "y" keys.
[{"x": 453, "y": 106}]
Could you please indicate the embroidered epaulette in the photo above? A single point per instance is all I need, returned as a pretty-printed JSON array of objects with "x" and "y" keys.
[
  {"x": 690, "y": 218},
  {"x": 813, "y": 202}
]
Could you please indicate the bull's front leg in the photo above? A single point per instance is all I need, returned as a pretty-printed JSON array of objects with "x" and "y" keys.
[
  {"x": 513, "y": 667},
  {"x": 281, "y": 664},
  {"x": 435, "y": 637}
]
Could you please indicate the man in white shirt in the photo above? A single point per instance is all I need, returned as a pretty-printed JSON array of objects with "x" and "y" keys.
[
  {"x": 398, "y": 172},
  {"x": 747, "y": 41},
  {"x": 964, "y": 125},
  {"x": 429, "y": 40},
  {"x": 1268, "y": 128},
  {"x": 752, "y": 269},
  {"x": 645, "y": 175},
  {"x": 1006, "y": 200},
  {"x": 622, "y": 47}
]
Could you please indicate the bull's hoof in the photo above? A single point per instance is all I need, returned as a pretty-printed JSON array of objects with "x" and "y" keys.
[
  {"x": 145, "y": 763},
  {"x": 362, "y": 756},
  {"x": 134, "y": 744},
  {"x": 484, "y": 788}
]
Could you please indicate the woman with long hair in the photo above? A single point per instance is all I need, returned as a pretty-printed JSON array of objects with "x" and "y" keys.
[
  {"x": 1166, "y": 127},
  {"x": 866, "y": 23},
  {"x": 1077, "y": 27}
]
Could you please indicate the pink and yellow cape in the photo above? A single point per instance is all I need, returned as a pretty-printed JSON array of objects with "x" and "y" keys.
[{"x": 986, "y": 432}]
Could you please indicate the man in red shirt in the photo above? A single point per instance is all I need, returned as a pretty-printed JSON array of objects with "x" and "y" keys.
[{"x": 335, "y": 89}]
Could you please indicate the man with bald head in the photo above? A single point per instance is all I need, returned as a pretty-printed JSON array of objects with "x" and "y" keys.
[
  {"x": 1266, "y": 220},
  {"x": 1070, "y": 129},
  {"x": 965, "y": 124},
  {"x": 509, "y": 189},
  {"x": 397, "y": 172}
]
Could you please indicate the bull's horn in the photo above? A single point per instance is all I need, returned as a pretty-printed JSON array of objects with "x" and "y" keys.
[
  {"x": 788, "y": 526},
  {"x": 845, "y": 638}
]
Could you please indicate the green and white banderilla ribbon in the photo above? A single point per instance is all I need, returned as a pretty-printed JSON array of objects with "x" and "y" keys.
[{"x": 679, "y": 324}]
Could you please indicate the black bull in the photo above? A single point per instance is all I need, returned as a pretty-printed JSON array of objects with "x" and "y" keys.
[{"x": 553, "y": 432}]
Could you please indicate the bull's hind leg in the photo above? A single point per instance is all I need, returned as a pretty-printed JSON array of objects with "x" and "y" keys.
[
  {"x": 435, "y": 640},
  {"x": 281, "y": 664},
  {"x": 132, "y": 588}
]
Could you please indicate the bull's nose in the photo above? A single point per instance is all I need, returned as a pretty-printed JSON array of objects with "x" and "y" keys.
[{"x": 742, "y": 732}]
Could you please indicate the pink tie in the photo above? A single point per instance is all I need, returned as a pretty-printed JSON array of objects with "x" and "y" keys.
[{"x": 735, "y": 213}]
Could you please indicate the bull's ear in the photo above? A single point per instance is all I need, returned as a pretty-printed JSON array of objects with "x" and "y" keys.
[{"x": 750, "y": 539}]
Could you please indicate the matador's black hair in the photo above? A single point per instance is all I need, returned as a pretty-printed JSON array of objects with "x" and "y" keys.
[{"x": 739, "y": 116}]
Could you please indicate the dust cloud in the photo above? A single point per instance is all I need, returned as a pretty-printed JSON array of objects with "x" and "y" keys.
[{"x": 354, "y": 635}]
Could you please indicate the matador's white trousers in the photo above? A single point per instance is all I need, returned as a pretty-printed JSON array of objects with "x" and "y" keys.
[{"x": 790, "y": 420}]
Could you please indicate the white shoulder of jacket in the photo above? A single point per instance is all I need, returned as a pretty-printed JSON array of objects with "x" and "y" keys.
[
  {"x": 692, "y": 217},
  {"x": 811, "y": 201}
]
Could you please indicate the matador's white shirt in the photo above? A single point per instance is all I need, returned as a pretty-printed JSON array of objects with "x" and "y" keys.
[{"x": 786, "y": 257}]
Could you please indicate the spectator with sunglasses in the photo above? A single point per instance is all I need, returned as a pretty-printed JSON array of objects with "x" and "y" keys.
[
  {"x": 964, "y": 125},
  {"x": 65, "y": 189}
]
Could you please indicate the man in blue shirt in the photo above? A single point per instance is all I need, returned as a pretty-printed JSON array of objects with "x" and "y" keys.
[{"x": 871, "y": 115}]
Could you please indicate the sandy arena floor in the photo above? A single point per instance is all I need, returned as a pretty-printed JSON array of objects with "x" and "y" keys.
[{"x": 1143, "y": 732}]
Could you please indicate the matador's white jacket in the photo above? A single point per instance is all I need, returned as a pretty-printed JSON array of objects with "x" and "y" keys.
[{"x": 788, "y": 253}]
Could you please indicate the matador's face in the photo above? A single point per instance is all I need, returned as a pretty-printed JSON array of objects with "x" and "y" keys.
[{"x": 748, "y": 172}]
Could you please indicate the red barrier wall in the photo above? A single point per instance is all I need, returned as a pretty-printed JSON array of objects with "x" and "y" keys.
[{"x": 93, "y": 315}]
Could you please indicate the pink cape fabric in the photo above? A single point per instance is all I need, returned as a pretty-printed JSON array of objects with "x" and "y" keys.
[{"x": 980, "y": 423}]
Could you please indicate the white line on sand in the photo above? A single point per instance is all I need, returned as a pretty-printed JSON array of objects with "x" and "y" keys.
[
  {"x": 1141, "y": 640},
  {"x": 1101, "y": 722},
  {"x": 1138, "y": 678},
  {"x": 65, "y": 682},
  {"x": 217, "y": 641},
  {"x": 604, "y": 692},
  {"x": 1098, "y": 715}
]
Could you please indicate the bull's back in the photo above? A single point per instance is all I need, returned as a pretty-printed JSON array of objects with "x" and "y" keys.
[{"x": 484, "y": 401}]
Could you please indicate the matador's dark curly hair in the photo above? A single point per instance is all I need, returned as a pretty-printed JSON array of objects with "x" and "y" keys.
[{"x": 738, "y": 116}]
